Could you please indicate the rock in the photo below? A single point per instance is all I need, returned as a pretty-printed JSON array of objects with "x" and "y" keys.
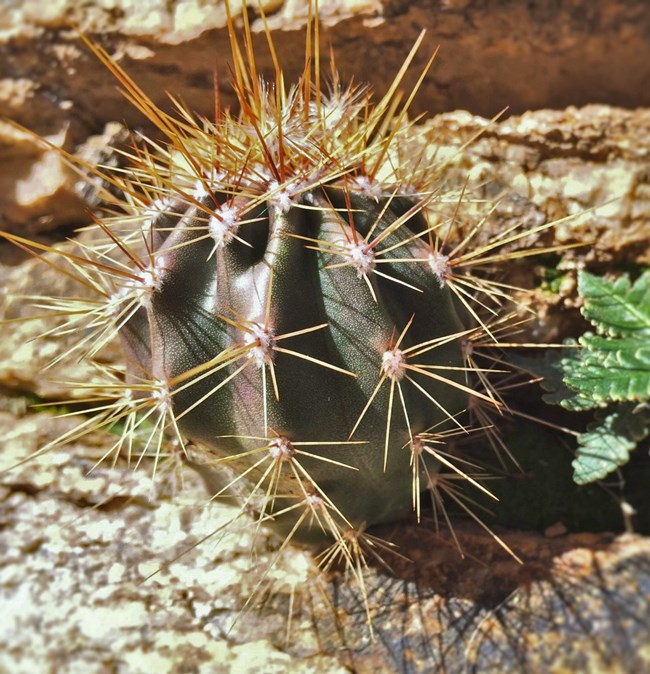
[
  {"x": 41, "y": 189},
  {"x": 101, "y": 571},
  {"x": 35, "y": 354},
  {"x": 547, "y": 165},
  {"x": 493, "y": 55},
  {"x": 38, "y": 187}
]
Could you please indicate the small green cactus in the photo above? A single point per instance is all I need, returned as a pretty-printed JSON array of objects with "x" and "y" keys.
[
  {"x": 285, "y": 349},
  {"x": 294, "y": 299}
]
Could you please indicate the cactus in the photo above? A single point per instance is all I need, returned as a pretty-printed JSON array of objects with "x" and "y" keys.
[
  {"x": 285, "y": 350},
  {"x": 277, "y": 307},
  {"x": 294, "y": 299}
]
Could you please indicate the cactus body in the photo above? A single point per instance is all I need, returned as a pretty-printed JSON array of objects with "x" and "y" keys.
[
  {"x": 214, "y": 327},
  {"x": 292, "y": 301}
]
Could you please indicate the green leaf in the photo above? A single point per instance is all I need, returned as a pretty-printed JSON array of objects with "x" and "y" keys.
[
  {"x": 610, "y": 370},
  {"x": 608, "y": 442},
  {"x": 617, "y": 308},
  {"x": 552, "y": 369}
]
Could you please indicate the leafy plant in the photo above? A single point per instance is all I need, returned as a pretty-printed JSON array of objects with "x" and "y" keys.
[{"x": 608, "y": 371}]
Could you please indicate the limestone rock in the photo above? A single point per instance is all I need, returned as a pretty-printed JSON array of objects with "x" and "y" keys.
[{"x": 101, "y": 571}]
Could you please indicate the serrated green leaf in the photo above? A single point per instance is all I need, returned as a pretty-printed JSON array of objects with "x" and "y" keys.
[
  {"x": 551, "y": 369},
  {"x": 608, "y": 442},
  {"x": 610, "y": 370},
  {"x": 617, "y": 308}
]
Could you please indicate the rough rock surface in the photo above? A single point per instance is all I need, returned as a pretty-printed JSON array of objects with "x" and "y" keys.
[
  {"x": 494, "y": 55},
  {"x": 78, "y": 594},
  {"x": 77, "y": 547}
]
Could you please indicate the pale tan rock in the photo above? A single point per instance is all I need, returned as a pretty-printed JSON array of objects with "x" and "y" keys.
[
  {"x": 37, "y": 185},
  {"x": 592, "y": 161},
  {"x": 78, "y": 549},
  {"x": 34, "y": 336},
  {"x": 493, "y": 54}
]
